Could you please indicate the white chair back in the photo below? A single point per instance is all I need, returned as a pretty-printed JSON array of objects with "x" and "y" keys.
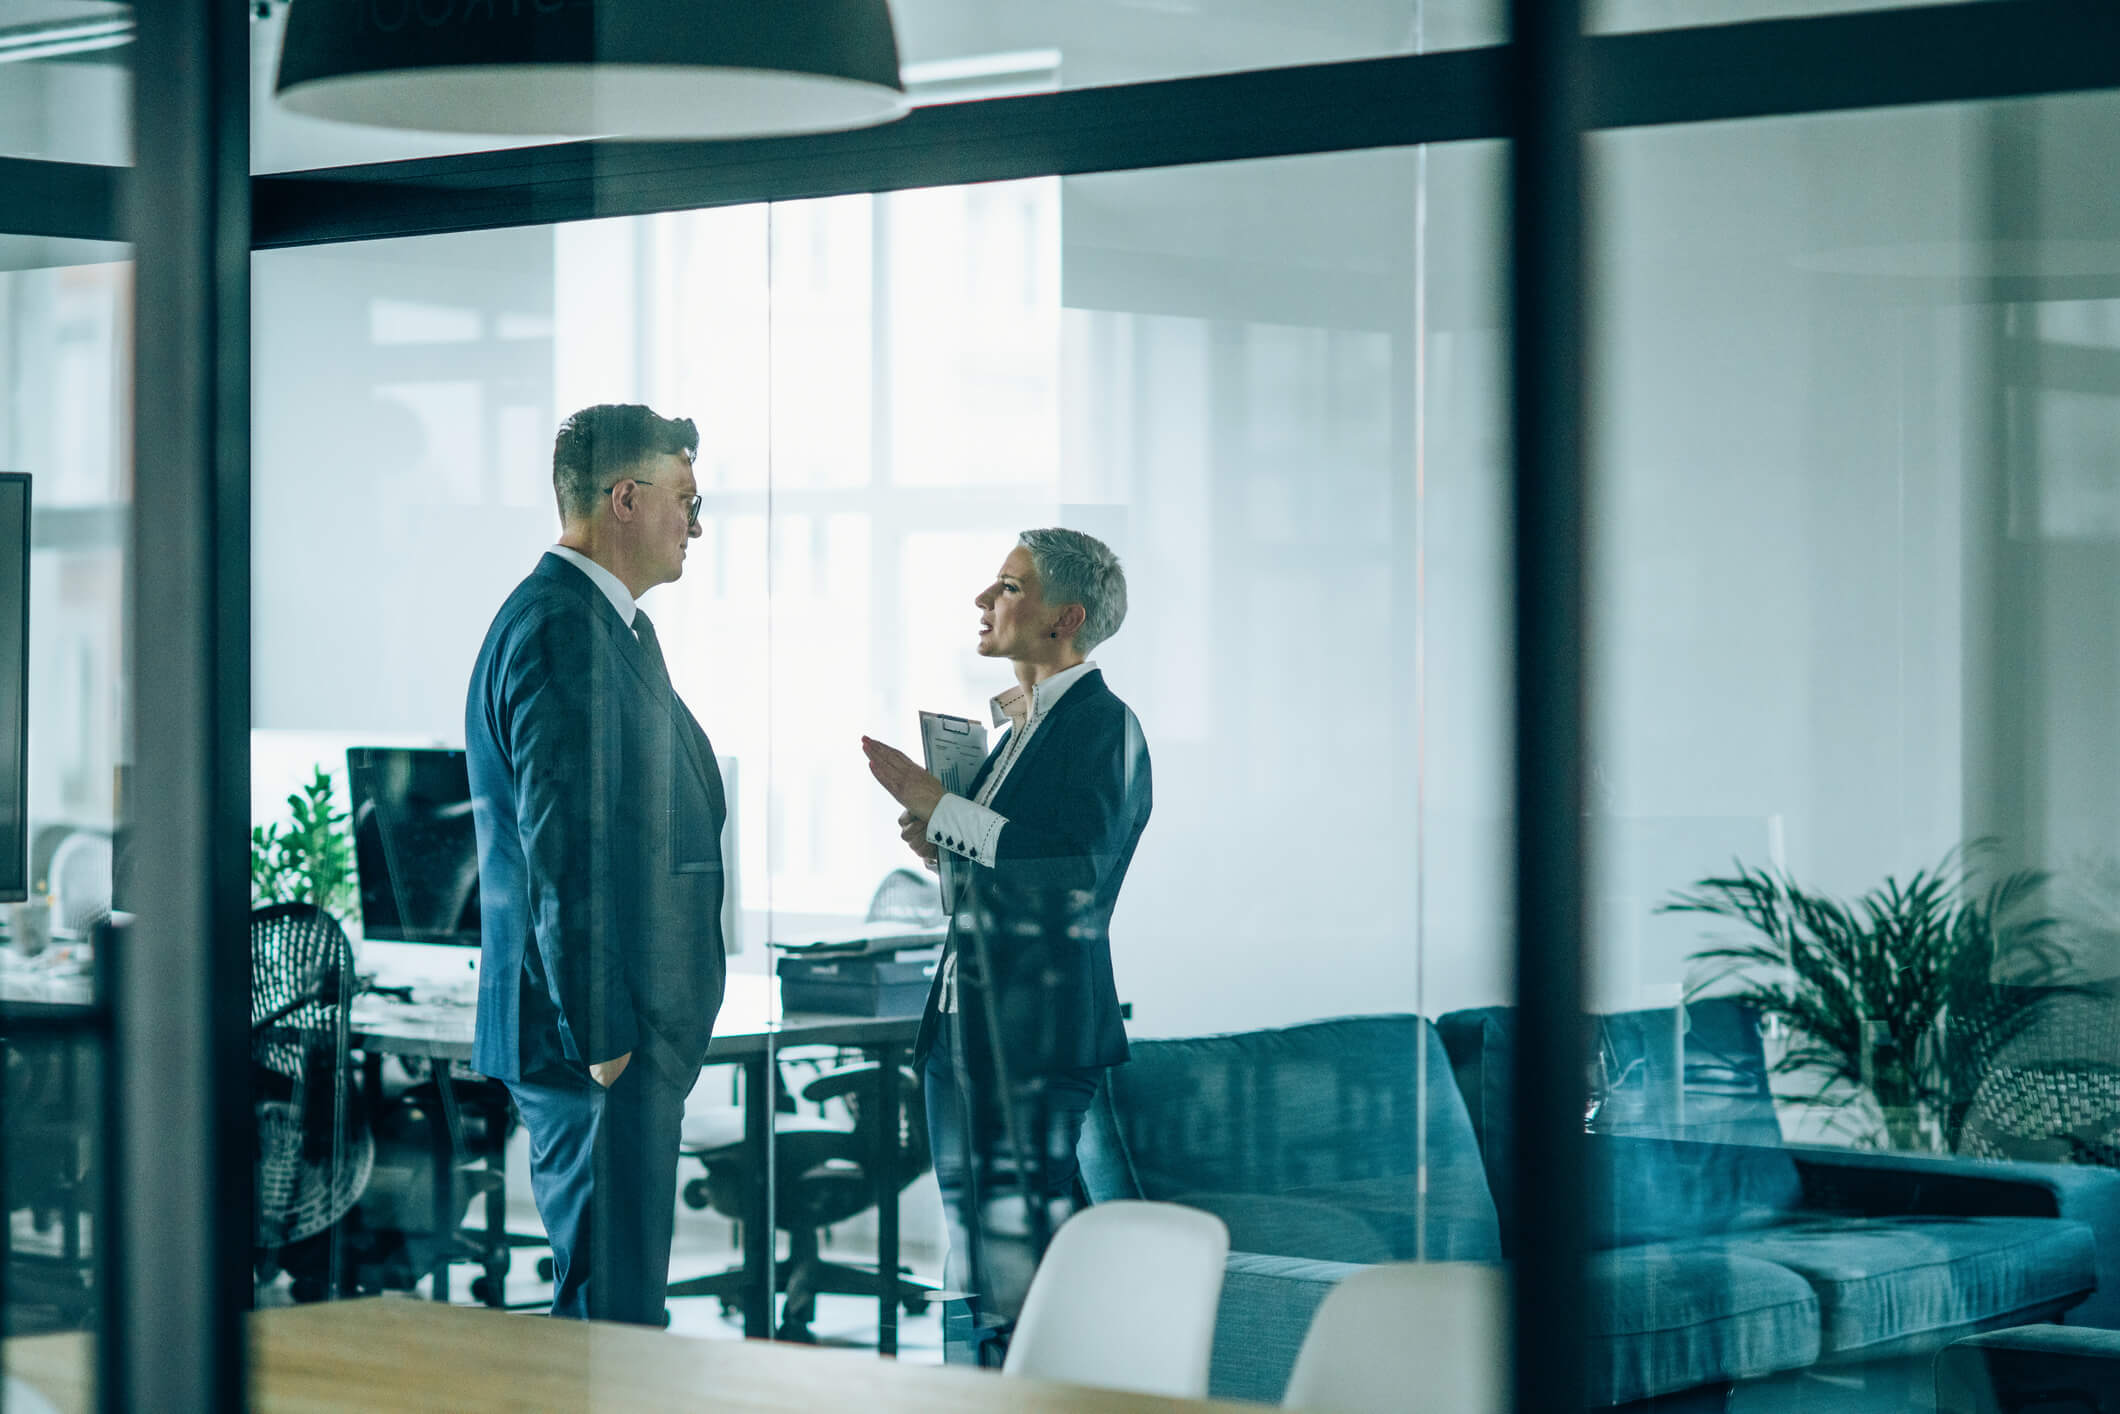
[
  {"x": 80, "y": 880},
  {"x": 1408, "y": 1338},
  {"x": 1125, "y": 1299}
]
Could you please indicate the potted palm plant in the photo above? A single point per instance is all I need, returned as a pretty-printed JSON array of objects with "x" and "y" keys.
[{"x": 1895, "y": 1002}]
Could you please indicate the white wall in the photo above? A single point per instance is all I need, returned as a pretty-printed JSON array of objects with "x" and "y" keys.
[{"x": 1784, "y": 414}]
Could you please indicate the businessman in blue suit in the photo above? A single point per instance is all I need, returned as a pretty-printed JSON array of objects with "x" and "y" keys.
[{"x": 599, "y": 811}]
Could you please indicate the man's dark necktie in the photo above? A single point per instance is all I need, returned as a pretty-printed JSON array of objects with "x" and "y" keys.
[{"x": 651, "y": 650}]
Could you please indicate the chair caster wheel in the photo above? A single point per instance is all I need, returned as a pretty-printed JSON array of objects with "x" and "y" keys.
[
  {"x": 696, "y": 1195},
  {"x": 544, "y": 1269},
  {"x": 486, "y": 1291}
]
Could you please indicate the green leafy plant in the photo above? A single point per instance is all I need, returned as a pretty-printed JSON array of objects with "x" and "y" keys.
[
  {"x": 311, "y": 860},
  {"x": 1892, "y": 999}
]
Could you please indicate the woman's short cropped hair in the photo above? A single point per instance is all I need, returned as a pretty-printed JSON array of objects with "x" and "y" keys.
[
  {"x": 1074, "y": 568},
  {"x": 607, "y": 443}
]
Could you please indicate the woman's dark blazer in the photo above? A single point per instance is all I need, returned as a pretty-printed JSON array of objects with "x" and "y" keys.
[{"x": 1076, "y": 803}]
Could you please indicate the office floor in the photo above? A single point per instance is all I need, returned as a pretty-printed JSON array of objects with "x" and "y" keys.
[{"x": 705, "y": 1242}]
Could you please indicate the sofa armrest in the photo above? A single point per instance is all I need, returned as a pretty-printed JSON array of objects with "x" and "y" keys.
[
  {"x": 1879, "y": 1184},
  {"x": 1267, "y": 1303}
]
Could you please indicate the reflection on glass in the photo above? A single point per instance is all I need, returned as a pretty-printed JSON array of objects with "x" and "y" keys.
[
  {"x": 1615, "y": 15},
  {"x": 1851, "y": 797},
  {"x": 955, "y": 49},
  {"x": 69, "y": 82}
]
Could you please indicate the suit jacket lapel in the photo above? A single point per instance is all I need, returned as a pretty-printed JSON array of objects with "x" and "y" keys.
[
  {"x": 1034, "y": 749},
  {"x": 698, "y": 750}
]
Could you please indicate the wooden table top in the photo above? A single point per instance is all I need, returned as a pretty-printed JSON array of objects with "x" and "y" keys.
[{"x": 391, "y": 1353}]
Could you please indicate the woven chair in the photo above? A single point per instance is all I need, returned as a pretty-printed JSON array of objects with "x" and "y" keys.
[
  {"x": 2052, "y": 1092},
  {"x": 313, "y": 1159}
]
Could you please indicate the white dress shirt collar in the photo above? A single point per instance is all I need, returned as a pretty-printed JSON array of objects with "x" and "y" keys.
[
  {"x": 1016, "y": 707},
  {"x": 614, "y": 588}
]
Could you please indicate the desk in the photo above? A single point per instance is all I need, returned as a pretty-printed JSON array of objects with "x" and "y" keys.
[
  {"x": 390, "y": 1353},
  {"x": 49, "y": 1021},
  {"x": 746, "y": 1033}
]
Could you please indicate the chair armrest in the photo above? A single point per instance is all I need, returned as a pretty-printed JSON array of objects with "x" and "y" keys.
[
  {"x": 1877, "y": 1184},
  {"x": 857, "y": 1079}
]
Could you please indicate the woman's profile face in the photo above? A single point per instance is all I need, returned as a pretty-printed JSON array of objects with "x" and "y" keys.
[{"x": 1012, "y": 612}]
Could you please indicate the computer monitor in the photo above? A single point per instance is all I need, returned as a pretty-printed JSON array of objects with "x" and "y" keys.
[
  {"x": 416, "y": 850},
  {"x": 14, "y": 686}
]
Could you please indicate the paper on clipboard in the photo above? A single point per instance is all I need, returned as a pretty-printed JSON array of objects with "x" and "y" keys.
[{"x": 954, "y": 747}]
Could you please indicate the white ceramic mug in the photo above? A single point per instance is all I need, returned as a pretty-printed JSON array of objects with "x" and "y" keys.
[{"x": 29, "y": 926}]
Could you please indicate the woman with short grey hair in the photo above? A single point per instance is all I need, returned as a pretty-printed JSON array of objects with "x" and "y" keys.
[{"x": 1023, "y": 1018}]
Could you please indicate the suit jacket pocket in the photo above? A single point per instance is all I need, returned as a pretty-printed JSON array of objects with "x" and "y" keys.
[{"x": 694, "y": 827}]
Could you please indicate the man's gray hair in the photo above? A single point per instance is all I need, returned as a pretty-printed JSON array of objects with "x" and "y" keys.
[{"x": 1074, "y": 568}]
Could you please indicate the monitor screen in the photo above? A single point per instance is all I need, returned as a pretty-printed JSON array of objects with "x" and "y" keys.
[
  {"x": 415, "y": 850},
  {"x": 14, "y": 686}
]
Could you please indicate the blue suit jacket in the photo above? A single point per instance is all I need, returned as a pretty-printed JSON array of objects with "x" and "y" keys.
[
  {"x": 599, "y": 811},
  {"x": 1077, "y": 801}
]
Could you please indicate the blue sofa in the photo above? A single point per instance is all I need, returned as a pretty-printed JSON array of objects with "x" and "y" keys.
[{"x": 1722, "y": 1254}]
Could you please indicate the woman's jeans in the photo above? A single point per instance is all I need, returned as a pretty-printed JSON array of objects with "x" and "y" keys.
[{"x": 994, "y": 1248}]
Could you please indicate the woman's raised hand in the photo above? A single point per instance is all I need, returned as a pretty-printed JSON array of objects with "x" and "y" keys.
[{"x": 909, "y": 784}]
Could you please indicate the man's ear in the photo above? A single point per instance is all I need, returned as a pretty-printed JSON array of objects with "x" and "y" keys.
[{"x": 625, "y": 499}]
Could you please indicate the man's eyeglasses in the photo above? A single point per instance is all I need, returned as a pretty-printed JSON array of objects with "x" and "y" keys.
[{"x": 691, "y": 503}]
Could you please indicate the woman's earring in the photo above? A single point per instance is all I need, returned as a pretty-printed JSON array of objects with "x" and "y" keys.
[{"x": 1054, "y": 634}]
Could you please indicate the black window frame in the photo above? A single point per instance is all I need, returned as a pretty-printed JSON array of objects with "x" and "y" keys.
[{"x": 194, "y": 215}]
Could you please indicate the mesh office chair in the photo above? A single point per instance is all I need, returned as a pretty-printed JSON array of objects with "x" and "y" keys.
[
  {"x": 823, "y": 1165},
  {"x": 313, "y": 1157},
  {"x": 823, "y": 1177},
  {"x": 907, "y": 896}
]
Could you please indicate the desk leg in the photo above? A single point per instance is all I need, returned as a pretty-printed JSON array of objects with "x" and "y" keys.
[
  {"x": 445, "y": 1151},
  {"x": 373, "y": 1104},
  {"x": 760, "y": 1285},
  {"x": 69, "y": 1098},
  {"x": 884, "y": 1164}
]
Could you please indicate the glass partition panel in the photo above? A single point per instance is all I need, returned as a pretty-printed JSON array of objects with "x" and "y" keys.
[
  {"x": 961, "y": 49},
  {"x": 65, "y": 494},
  {"x": 1271, "y": 390},
  {"x": 1851, "y": 802},
  {"x": 954, "y": 51}
]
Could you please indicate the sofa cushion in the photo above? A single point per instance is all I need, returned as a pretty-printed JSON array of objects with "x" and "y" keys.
[
  {"x": 1267, "y": 1304},
  {"x": 1328, "y": 1115},
  {"x": 1670, "y": 1317},
  {"x": 1691, "y": 1144},
  {"x": 1894, "y": 1285}
]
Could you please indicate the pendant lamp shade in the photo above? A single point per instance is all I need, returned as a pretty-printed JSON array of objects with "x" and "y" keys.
[{"x": 594, "y": 68}]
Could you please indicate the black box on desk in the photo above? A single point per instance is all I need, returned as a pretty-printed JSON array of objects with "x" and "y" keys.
[{"x": 890, "y": 985}]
